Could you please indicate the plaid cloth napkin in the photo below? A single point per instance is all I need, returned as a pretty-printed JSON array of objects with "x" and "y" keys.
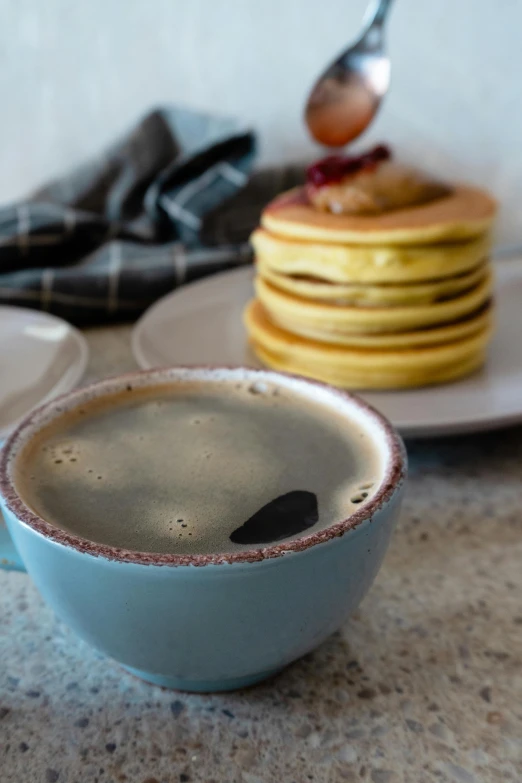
[{"x": 169, "y": 203}]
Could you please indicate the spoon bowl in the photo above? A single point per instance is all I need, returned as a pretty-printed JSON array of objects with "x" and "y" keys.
[{"x": 347, "y": 96}]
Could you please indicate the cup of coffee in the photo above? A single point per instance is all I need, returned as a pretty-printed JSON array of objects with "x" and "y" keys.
[{"x": 204, "y": 527}]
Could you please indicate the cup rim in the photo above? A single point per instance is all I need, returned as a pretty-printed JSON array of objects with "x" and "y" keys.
[{"x": 393, "y": 477}]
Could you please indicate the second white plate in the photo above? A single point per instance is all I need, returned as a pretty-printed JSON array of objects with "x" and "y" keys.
[
  {"x": 41, "y": 356},
  {"x": 202, "y": 324}
]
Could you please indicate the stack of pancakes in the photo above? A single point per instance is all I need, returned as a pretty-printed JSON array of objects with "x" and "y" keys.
[{"x": 396, "y": 299}]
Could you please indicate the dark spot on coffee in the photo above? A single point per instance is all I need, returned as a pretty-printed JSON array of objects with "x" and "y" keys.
[
  {"x": 288, "y": 515},
  {"x": 58, "y": 461},
  {"x": 184, "y": 524},
  {"x": 128, "y": 387},
  {"x": 99, "y": 478},
  {"x": 179, "y": 520},
  {"x": 73, "y": 459}
]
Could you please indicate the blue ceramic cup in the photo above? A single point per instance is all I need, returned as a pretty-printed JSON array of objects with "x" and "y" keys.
[{"x": 217, "y": 621}]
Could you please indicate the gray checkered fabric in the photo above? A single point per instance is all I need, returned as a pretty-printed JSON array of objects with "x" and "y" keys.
[{"x": 169, "y": 203}]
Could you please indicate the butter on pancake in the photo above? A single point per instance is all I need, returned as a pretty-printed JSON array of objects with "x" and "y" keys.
[{"x": 387, "y": 186}]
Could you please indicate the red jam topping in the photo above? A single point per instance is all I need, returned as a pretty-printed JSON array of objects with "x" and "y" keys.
[{"x": 336, "y": 167}]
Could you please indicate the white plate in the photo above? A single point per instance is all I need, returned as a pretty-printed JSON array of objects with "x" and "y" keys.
[
  {"x": 41, "y": 356},
  {"x": 201, "y": 324}
]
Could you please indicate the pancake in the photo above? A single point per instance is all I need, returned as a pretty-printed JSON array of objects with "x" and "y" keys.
[
  {"x": 373, "y": 276},
  {"x": 345, "y": 263},
  {"x": 363, "y": 369},
  {"x": 434, "y": 335},
  {"x": 466, "y": 213},
  {"x": 299, "y": 315},
  {"x": 319, "y": 290},
  {"x": 378, "y": 379}
]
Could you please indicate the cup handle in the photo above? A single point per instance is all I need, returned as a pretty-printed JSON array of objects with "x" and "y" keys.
[{"x": 10, "y": 560}]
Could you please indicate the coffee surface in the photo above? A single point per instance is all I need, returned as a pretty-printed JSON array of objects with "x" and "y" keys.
[{"x": 206, "y": 468}]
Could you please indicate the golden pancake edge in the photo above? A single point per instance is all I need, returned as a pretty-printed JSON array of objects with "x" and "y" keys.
[
  {"x": 349, "y": 264},
  {"x": 363, "y": 368},
  {"x": 296, "y": 313},
  {"x": 385, "y": 294},
  {"x": 466, "y": 213}
]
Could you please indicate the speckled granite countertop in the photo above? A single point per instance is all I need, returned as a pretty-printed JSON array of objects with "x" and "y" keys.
[{"x": 424, "y": 684}]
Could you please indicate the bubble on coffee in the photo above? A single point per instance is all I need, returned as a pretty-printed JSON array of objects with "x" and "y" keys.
[{"x": 199, "y": 468}]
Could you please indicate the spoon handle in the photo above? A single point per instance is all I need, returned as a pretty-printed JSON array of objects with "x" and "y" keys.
[{"x": 376, "y": 14}]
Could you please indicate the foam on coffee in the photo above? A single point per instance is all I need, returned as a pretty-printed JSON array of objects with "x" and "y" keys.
[{"x": 198, "y": 468}]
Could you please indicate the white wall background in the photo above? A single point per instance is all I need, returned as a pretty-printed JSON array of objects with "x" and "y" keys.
[{"x": 74, "y": 74}]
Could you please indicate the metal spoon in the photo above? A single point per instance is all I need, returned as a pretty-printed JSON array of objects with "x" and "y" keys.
[{"x": 347, "y": 96}]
